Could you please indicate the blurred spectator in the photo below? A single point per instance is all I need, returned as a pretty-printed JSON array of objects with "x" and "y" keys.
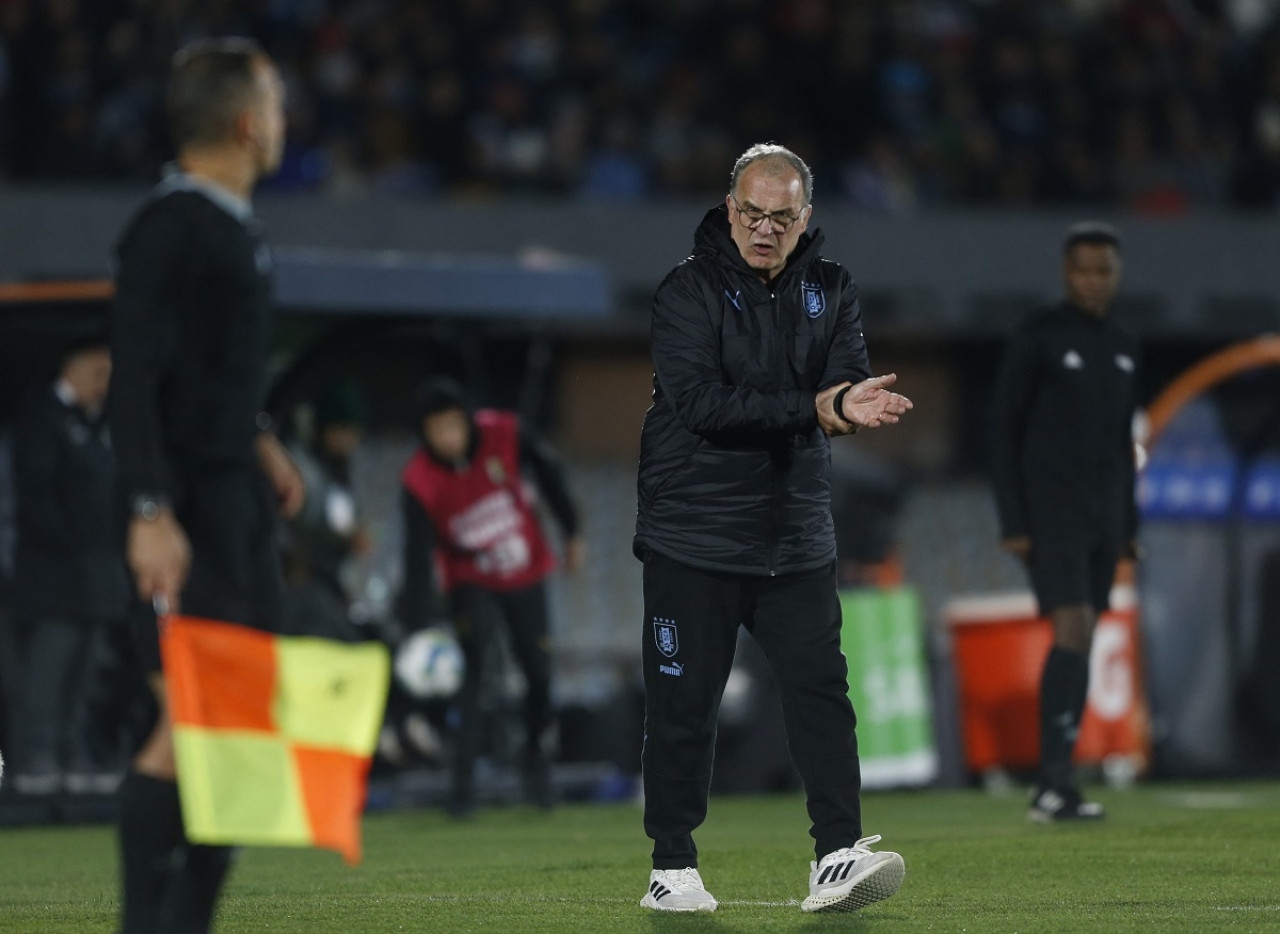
[
  {"x": 70, "y": 581},
  {"x": 10, "y": 667},
  {"x": 980, "y": 101},
  {"x": 615, "y": 169},
  {"x": 1256, "y": 183},
  {"x": 327, "y": 533},
  {"x": 881, "y": 182}
]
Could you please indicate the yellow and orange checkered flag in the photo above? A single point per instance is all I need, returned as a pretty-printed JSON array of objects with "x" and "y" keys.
[{"x": 273, "y": 734}]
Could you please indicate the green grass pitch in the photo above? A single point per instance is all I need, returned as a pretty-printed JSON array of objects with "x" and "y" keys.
[{"x": 1186, "y": 857}]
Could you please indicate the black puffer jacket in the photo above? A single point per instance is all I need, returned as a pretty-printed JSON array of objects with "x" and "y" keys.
[{"x": 734, "y": 470}]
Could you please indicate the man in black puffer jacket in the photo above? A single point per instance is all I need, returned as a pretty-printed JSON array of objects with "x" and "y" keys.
[{"x": 758, "y": 359}]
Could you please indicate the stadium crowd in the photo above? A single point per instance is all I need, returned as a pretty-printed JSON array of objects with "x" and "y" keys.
[{"x": 1155, "y": 105}]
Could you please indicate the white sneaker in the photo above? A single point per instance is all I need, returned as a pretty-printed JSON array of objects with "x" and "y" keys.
[
  {"x": 853, "y": 878},
  {"x": 677, "y": 890}
]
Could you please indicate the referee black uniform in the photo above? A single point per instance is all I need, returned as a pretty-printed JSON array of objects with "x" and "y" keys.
[
  {"x": 1062, "y": 461},
  {"x": 190, "y": 330},
  {"x": 1062, "y": 451},
  {"x": 189, "y": 337}
]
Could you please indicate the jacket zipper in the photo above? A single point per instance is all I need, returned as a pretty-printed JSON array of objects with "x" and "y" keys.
[{"x": 771, "y": 543}]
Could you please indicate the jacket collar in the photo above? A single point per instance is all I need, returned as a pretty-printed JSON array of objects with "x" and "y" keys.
[{"x": 177, "y": 180}]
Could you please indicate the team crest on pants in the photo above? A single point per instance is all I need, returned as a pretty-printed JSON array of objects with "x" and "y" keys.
[{"x": 665, "y": 636}]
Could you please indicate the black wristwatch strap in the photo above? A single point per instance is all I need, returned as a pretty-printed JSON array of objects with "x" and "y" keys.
[{"x": 838, "y": 404}]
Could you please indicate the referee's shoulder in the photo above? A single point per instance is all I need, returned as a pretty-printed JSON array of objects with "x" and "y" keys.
[
  {"x": 178, "y": 204},
  {"x": 166, "y": 215}
]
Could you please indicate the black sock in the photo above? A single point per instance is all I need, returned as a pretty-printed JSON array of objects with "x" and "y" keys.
[
  {"x": 1063, "y": 688},
  {"x": 197, "y": 881},
  {"x": 150, "y": 836}
]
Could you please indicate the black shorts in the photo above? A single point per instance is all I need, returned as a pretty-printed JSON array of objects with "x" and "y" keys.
[
  {"x": 230, "y": 519},
  {"x": 1070, "y": 572}
]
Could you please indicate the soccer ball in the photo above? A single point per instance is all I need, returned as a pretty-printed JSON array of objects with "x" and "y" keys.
[{"x": 429, "y": 664}]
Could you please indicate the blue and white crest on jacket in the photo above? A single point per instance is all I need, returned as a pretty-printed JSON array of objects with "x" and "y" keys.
[{"x": 815, "y": 302}]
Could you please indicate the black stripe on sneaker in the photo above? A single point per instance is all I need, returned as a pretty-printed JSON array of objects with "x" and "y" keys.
[{"x": 836, "y": 872}]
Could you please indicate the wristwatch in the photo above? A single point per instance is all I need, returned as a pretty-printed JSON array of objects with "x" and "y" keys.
[
  {"x": 838, "y": 405},
  {"x": 148, "y": 507}
]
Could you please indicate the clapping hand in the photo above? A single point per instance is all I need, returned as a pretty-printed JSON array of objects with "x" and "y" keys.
[{"x": 868, "y": 404}]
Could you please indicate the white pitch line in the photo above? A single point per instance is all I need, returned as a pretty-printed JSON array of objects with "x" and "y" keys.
[
  {"x": 1214, "y": 800},
  {"x": 561, "y": 899},
  {"x": 1246, "y": 907}
]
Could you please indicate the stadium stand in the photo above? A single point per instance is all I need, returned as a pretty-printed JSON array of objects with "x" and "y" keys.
[{"x": 1159, "y": 107}]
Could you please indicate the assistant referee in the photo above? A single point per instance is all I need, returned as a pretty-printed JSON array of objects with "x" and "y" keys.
[
  {"x": 202, "y": 479},
  {"x": 1063, "y": 468}
]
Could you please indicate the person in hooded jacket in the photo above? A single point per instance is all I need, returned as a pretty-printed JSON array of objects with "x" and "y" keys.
[
  {"x": 759, "y": 360},
  {"x": 70, "y": 583},
  {"x": 470, "y": 515}
]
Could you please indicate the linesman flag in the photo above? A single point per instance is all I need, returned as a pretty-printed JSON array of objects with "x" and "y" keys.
[{"x": 273, "y": 734}]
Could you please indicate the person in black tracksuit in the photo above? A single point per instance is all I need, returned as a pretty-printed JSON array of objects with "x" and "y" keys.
[
  {"x": 1063, "y": 470},
  {"x": 70, "y": 581},
  {"x": 758, "y": 359},
  {"x": 199, "y": 475}
]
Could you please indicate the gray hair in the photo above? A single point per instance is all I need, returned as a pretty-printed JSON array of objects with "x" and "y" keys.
[{"x": 772, "y": 153}]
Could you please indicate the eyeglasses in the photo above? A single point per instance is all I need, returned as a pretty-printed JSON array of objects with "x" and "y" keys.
[{"x": 781, "y": 221}]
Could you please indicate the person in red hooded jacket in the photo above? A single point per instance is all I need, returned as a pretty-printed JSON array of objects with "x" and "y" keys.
[{"x": 470, "y": 517}]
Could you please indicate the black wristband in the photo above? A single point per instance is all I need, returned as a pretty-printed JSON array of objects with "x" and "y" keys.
[{"x": 838, "y": 404}]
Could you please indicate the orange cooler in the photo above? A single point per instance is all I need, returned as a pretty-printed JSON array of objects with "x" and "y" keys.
[{"x": 999, "y": 647}]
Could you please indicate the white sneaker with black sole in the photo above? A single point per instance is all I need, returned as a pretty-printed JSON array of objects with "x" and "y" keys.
[
  {"x": 677, "y": 890},
  {"x": 853, "y": 877}
]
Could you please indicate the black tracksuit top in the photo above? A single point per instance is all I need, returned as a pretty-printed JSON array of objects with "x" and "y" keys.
[
  {"x": 190, "y": 329},
  {"x": 1061, "y": 429},
  {"x": 734, "y": 470},
  {"x": 67, "y": 560}
]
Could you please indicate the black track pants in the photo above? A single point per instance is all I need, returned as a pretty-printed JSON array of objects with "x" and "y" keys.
[
  {"x": 690, "y": 632},
  {"x": 478, "y": 613}
]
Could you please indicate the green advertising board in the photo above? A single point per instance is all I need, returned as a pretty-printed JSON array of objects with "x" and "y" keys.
[{"x": 883, "y": 640}]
